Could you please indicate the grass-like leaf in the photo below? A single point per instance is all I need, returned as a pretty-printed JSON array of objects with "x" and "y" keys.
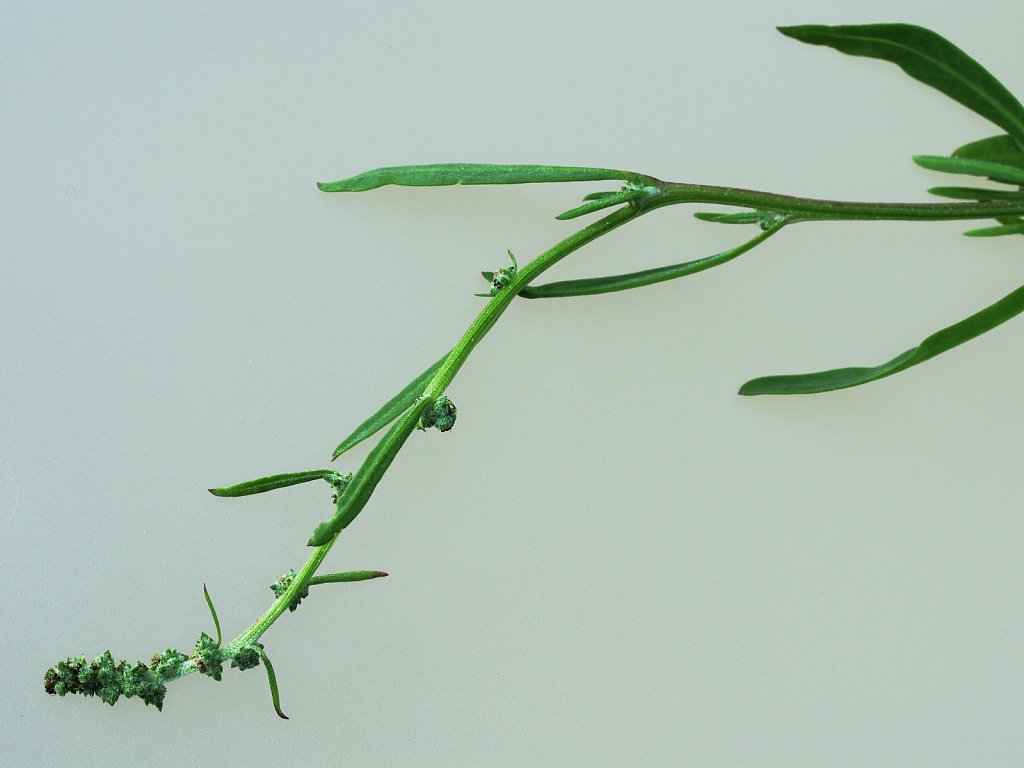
[
  {"x": 599, "y": 203},
  {"x": 346, "y": 577},
  {"x": 1002, "y": 229},
  {"x": 376, "y": 463},
  {"x": 275, "y": 694},
  {"x": 594, "y": 285},
  {"x": 995, "y": 149},
  {"x": 264, "y": 484},
  {"x": 213, "y": 613},
  {"x": 1005, "y": 174},
  {"x": 841, "y": 378},
  {"x": 929, "y": 58},
  {"x": 742, "y": 217},
  {"x": 390, "y": 411},
  {"x": 975, "y": 193},
  {"x": 447, "y": 174}
]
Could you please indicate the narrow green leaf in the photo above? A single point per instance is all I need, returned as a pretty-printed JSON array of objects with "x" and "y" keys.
[
  {"x": 447, "y": 174},
  {"x": 391, "y": 410},
  {"x": 213, "y": 612},
  {"x": 995, "y": 149},
  {"x": 743, "y": 217},
  {"x": 975, "y": 193},
  {"x": 598, "y": 195},
  {"x": 1003, "y": 229},
  {"x": 954, "y": 335},
  {"x": 929, "y": 58},
  {"x": 597, "y": 204},
  {"x": 275, "y": 695},
  {"x": 376, "y": 463},
  {"x": 1006, "y": 174},
  {"x": 273, "y": 482},
  {"x": 595, "y": 285},
  {"x": 347, "y": 576}
]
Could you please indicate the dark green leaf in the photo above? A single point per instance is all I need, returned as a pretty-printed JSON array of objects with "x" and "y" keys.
[
  {"x": 275, "y": 695},
  {"x": 1006, "y": 174},
  {"x": 273, "y": 482},
  {"x": 976, "y": 193},
  {"x": 391, "y": 410},
  {"x": 347, "y": 576},
  {"x": 213, "y": 612},
  {"x": 598, "y": 195},
  {"x": 995, "y": 149},
  {"x": 376, "y": 463},
  {"x": 1004, "y": 229},
  {"x": 594, "y": 285},
  {"x": 743, "y": 217},
  {"x": 446, "y": 174},
  {"x": 597, "y": 204},
  {"x": 840, "y": 378},
  {"x": 929, "y": 58}
]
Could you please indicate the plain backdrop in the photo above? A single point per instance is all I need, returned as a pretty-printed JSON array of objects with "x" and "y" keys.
[{"x": 612, "y": 560}]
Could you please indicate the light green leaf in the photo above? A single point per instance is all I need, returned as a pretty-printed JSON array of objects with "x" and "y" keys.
[
  {"x": 929, "y": 58},
  {"x": 391, "y": 410},
  {"x": 840, "y": 378},
  {"x": 1005, "y": 174},
  {"x": 213, "y": 613},
  {"x": 273, "y": 482},
  {"x": 594, "y": 285},
  {"x": 995, "y": 149},
  {"x": 447, "y": 174}
]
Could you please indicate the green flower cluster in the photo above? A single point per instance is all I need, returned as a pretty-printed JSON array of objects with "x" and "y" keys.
[
  {"x": 339, "y": 482},
  {"x": 111, "y": 680},
  {"x": 282, "y": 584},
  {"x": 209, "y": 657},
  {"x": 441, "y": 414}
]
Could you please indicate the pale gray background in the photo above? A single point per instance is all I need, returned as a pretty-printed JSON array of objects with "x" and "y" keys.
[{"x": 613, "y": 559}]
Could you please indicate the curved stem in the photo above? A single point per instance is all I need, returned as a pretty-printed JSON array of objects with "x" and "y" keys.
[
  {"x": 392, "y": 442},
  {"x": 796, "y": 209}
]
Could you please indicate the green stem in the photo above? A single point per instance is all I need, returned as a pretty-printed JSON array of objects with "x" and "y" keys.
[
  {"x": 392, "y": 442},
  {"x": 796, "y": 209},
  {"x": 301, "y": 580},
  {"x": 812, "y": 209},
  {"x": 497, "y": 305}
]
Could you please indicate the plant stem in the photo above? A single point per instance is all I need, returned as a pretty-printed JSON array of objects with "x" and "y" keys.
[
  {"x": 497, "y": 305},
  {"x": 396, "y": 437},
  {"x": 796, "y": 209},
  {"x": 812, "y": 209}
]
